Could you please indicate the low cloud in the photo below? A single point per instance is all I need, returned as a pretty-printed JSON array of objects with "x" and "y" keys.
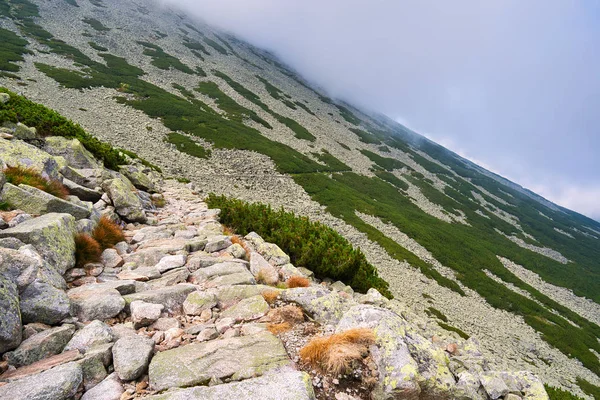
[{"x": 513, "y": 82}]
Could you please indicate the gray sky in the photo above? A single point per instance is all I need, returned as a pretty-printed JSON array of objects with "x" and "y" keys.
[{"x": 513, "y": 85}]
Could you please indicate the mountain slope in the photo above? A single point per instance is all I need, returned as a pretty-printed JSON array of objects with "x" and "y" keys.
[{"x": 444, "y": 232}]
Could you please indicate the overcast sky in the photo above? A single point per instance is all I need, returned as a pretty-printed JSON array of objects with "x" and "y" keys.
[{"x": 513, "y": 85}]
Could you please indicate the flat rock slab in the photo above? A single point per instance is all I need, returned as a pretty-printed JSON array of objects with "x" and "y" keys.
[
  {"x": 10, "y": 317},
  {"x": 110, "y": 388},
  {"x": 172, "y": 297},
  {"x": 131, "y": 356},
  {"x": 248, "y": 309},
  {"x": 325, "y": 307},
  {"x": 51, "y": 235},
  {"x": 286, "y": 384},
  {"x": 235, "y": 358},
  {"x": 59, "y": 383},
  {"x": 41, "y": 302},
  {"x": 35, "y": 201},
  {"x": 41, "y": 345},
  {"x": 95, "y": 302}
]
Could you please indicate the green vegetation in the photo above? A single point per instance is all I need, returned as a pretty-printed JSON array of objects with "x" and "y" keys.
[
  {"x": 162, "y": 60},
  {"x": 304, "y": 107},
  {"x": 559, "y": 394},
  {"x": 188, "y": 95},
  {"x": 187, "y": 145},
  {"x": 97, "y": 25},
  {"x": 195, "y": 47},
  {"x": 453, "y": 329},
  {"x": 215, "y": 46},
  {"x": 72, "y": 2},
  {"x": 278, "y": 94},
  {"x": 299, "y": 131},
  {"x": 160, "y": 34},
  {"x": 388, "y": 164},
  {"x": 384, "y": 149},
  {"x": 309, "y": 244},
  {"x": 5, "y": 206},
  {"x": 97, "y": 47},
  {"x": 344, "y": 146},
  {"x": 200, "y": 72},
  {"x": 393, "y": 179},
  {"x": 588, "y": 388},
  {"x": 365, "y": 137},
  {"x": 12, "y": 48},
  {"x": 437, "y": 314},
  {"x": 192, "y": 27},
  {"x": 334, "y": 164},
  {"x": 50, "y": 123}
]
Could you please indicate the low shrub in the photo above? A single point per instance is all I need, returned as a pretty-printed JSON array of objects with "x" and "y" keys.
[
  {"x": 309, "y": 244},
  {"x": 87, "y": 250},
  {"x": 29, "y": 176},
  {"x": 335, "y": 354},
  {"x": 107, "y": 233},
  {"x": 297, "y": 281}
]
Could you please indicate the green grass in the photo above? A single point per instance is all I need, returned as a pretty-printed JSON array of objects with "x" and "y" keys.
[
  {"x": 97, "y": 47},
  {"x": 29, "y": 176},
  {"x": 162, "y": 60},
  {"x": 186, "y": 145},
  {"x": 559, "y": 394},
  {"x": 12, "y": 49},
  {"x": 72, "y": 2},
  {"x": 388, "y": 164},
  {"x": 333, "y": 163},
  {"x": 588, "y": 388},
  {"x": 97, "y": 25},
  {"x": 453, "y": 329},
  {"x": 215, "y": 46},
  {"x": 365, "y": 137},
  {"x": 393, "y": 179},
  {"x": 437, "y": 314},
  {"x": 309, "y": 244},
  {"x": 197, "y": 47}
]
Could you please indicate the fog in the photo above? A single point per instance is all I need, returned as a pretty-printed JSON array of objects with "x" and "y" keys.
[{"x": 513, "y": 85}]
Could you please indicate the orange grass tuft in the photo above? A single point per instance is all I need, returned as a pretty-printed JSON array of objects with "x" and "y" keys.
[
  {"x": 334, "y": 354},
  {"x": 237, "y": 239},
  {"x": 228, "y": 231},
  {"x": 279, "y": 328},
  {"x": 297, "y": 281},
  {"x": 29, "y": 176},
  {"x": 87, "y": 250},
  {"x": 107, "y": 233},
  {"x": 270, "y": 295},
  {"x": 268, "y": 276}
]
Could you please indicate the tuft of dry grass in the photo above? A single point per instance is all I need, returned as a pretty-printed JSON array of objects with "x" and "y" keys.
[
  {"x": 228, "y": 231},
  {"x": 297, "y": 281},
  {"x": 29, "y": 176},
  {"x": 288, "y": 313},
  {"x": 279, "y": 328},
  {"x": 237, "y": 239},
  {"x": 87, "y": 250},
  {"x": 267, "y": 276},
  {"x": 335, "y": 354},
  {"x": 107, "y": 233},
  {"x": 270, "y": 295}
]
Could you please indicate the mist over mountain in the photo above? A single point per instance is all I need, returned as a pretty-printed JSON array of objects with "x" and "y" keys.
[{"x": 510, "y": 84}]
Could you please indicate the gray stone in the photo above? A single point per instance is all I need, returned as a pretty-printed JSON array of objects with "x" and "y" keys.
[
  {"x": 93, "y": 370},
  {"x": 18, "y": 267},
  {"x": 217, "y": 243},
  {"x": 131, "y": 356},
  {"x": 110, "y": 388},
  {"x": 24, "y": 132},
  {"x": 272, "y": 253},
  {"x": 235, "y": 358},
  {"x": 207, "y": 334},
  {"x": 11, "y": 243},
  {"x": 174, "y": 276},
  {"x": 45, "y": 272},
  {"x": 247, "y": 309},
  {"x": 82, "y": 192},
  {"x": 262, "y": 270},
  {"x": 196, "y": 302},
  {"x": 92, "y": 302},
  {"x": 72, "y": 150},
  {"x": 144, "y": 314},
  {"x": 341, "y": 287},
  {"x": 236, "y": 250},
  {"x": 373, "y": 297},
  {"x": 324, "y": 306},
  {"x": 288, "y": 270},
  {"x": 10, "y": 317},
  {"x": 41, "y": 302},
  {"x": 94, "y": 333},
  {"x": 4, "y": 98},
  {"x": 51, "y": 235},
  {"x": 143, "y": 178},
  {"x": 164, "y": 324},
  {"x": 85, "y": 226},
  {"x": 18, "y": 153},
  {"x": 111, "y": 258},
  {"x": 59, "y": 383},
  {"x": 494, "y": 385},
  {"x": 102, "y": 351},
  {"x": 123, "y": 248},
  {"x": 90, "y": 178},
  {"x": 168, "y": 263},
  {"x": 284, "y": 384},
  {"x": 172, "y": 297},
  {"x": 126, "y": 203},
  {"x": 35, "y": 201},
  {"x": 19, "y": 219}
]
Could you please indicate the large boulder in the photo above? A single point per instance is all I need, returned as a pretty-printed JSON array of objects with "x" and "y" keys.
[
  {"x": 35, "y": 201},
  {"x": 24, "y": 132},
  {"x": 234, "y": 358},
  {"x": 196, "y": 302},
  {"x": 17, "y": 153},
  {"x": 131, "y": 356},
  {"x": 93, "y": 334},
  {"x": 398, "y": 371},
  {"x": 325, "y": 306},
  {"x": 41, "y": 345},
  {"x": 82, "y": 192},
  {"x": 262, "y": 270},
  {"x": 247, "y": 309},
  {"x": 227, "y": 273},
  {"x": 95, "y": 302},
  {"x": 71, "y": 150},
  {"x": 51, "y": 235},
  {"x": 283, "y": 384},
  {"x": 42, "y": 302},
  {"x": 59, "y": 383},
  {"x": 127, "y": 204},
  {"x": 143, "y": 178},
  {"x": 90, "y": 178},
  {"x": 10, "y": 317},
  {"x": 110, "y": 388},
  {"x": 172, "y": 297},
  {"x": 144, "y": 314}
]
